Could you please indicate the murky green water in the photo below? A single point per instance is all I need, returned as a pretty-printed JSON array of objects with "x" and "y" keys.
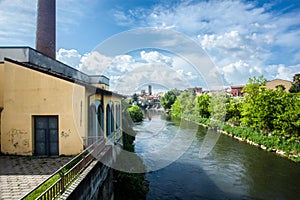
[{"x": 232, "y": 170}]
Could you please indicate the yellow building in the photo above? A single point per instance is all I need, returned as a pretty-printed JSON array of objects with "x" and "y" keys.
[
  {"x": 276, "y": 82},
  {"x": 48, "y": 108}
]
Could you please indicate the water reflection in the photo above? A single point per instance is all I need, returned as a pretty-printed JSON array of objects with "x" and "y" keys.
[{"x": 232, "y": 170}]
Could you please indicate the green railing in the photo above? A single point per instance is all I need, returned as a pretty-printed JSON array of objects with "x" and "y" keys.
[{"x": 66, "y": 175}]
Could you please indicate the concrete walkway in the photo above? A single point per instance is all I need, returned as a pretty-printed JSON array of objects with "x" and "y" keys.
[{"x": 19, "y": 175}]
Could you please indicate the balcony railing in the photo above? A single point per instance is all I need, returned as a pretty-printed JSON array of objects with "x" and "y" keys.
[
  {"x": 87, "y": 141},
  {"x": 69, "y": 172}
]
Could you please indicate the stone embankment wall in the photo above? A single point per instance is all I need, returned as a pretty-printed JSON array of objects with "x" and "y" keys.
[{"x": 96, "y": 182}]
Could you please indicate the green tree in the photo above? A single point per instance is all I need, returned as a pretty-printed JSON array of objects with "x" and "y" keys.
[
  {"x": 186, "y": 100},
  {"x": 233, "y": 110},
  {"x": 202, "y": 106},
  {"x": 217, "y": 109},
  {"x": 168, "y": 99},
  {"x": 296, "y": 84},
  {"x": 294, "y": 89},
  {"x": 136, "y": 113},
  {"x": 176, "y": 108},
  {"x": 287, "y": 122},
  {"x": 251, "y": 91},
  {"x": 280, "y": 87},
  {"x": 254, "y": 86},
  {"x": 273, "y": 112},
  {"x": 267, "y": 107},
  {"x": 184, "y": 104}
]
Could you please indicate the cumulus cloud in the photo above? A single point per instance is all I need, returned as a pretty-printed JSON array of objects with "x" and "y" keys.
[
  {"x": 149, "y": 73},
  {"x": 238, "y": 72},
  {"x": 155, "y": 57},
  {"x": 94, "y": 63},
  {"x": 287, "y": 72},
  {"x": 70, "y": 57},
  {"x": 121, "y": 64},
  {"x": 127, "y": 73},
  {"x": 242, "y": 38}
]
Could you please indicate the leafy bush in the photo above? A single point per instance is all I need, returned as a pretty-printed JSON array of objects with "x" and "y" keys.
[{"x": 136, "y": 113}]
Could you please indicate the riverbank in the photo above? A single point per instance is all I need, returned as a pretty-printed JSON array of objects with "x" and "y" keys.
[{"x": 288, "y": 148}]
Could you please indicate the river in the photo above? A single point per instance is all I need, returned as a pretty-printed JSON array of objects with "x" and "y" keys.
[{"x": 232, "y": 170}]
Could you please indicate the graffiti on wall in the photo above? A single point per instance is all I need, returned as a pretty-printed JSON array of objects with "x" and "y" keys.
[
  {"x": 65, "y": 134},
  {"x": 18, "y": 138}
]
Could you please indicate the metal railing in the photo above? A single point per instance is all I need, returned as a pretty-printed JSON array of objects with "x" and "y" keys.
[
  {"x": 87, "y": 141},
  {"x": 68, "y": 173}
]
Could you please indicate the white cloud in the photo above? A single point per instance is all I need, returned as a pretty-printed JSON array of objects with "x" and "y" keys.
[
  {"x": 17, "y": 22},
  {"x": 149, "y": 73},
  {"x": 18, "y": 19},
  {"x": 169, "y": 72},
  {"x": 122, "y": 18},
  {"x": 238, "y": 72},
  {"x": 121, "y": 64},
  {"x": 287, "y": 72},
  {"x": 155, "y": 57},
  {"x": 94, "y": 63},
  {"x": 127, "y": 73},
  {"x": 244, "y": 40},
  {"x": 70, "y": 57}
]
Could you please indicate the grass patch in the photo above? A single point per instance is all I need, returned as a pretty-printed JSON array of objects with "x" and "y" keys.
[{"x": 38, "y": 191}]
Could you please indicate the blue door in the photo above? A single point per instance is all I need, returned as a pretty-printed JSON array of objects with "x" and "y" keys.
[{"x": 46, "y": 135}]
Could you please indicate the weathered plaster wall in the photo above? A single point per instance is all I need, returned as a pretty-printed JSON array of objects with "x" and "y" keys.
[
  {"x": 272, "y": 84},
  {"x": 1, "y": 83},
  {"x": 1, "y": 93},
  {"x": 28, "y": 93}
]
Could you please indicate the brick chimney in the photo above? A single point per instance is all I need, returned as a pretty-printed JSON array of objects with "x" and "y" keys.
[{"x": 45, "y": 31}]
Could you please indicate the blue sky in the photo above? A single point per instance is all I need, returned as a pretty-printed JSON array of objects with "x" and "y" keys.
[{"x": 242, "y": 38}]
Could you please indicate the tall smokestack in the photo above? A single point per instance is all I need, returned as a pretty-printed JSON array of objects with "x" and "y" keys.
[{"x": 46, "y": 32}]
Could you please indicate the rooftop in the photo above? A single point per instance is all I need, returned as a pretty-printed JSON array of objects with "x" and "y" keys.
[{"x": 36, "y": 59}]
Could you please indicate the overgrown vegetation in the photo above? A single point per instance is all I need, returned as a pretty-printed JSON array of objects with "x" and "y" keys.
[
  {"x": 267, "y": 117},
  {"x": 168, "y": 99},
  {"x": 36, "y": 193},
  {"x": 136, "y": 113}
]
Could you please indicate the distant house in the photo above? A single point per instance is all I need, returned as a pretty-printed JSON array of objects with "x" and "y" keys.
[
  {"x": 276, "y": 82},
  {"x": 48, "y": 108},
  {"x": 236, "y": 91},
  {"x": 196, "y": 90}
]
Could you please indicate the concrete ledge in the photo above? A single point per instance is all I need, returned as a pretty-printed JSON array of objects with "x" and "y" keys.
[{"x": 89, "y": 183}]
